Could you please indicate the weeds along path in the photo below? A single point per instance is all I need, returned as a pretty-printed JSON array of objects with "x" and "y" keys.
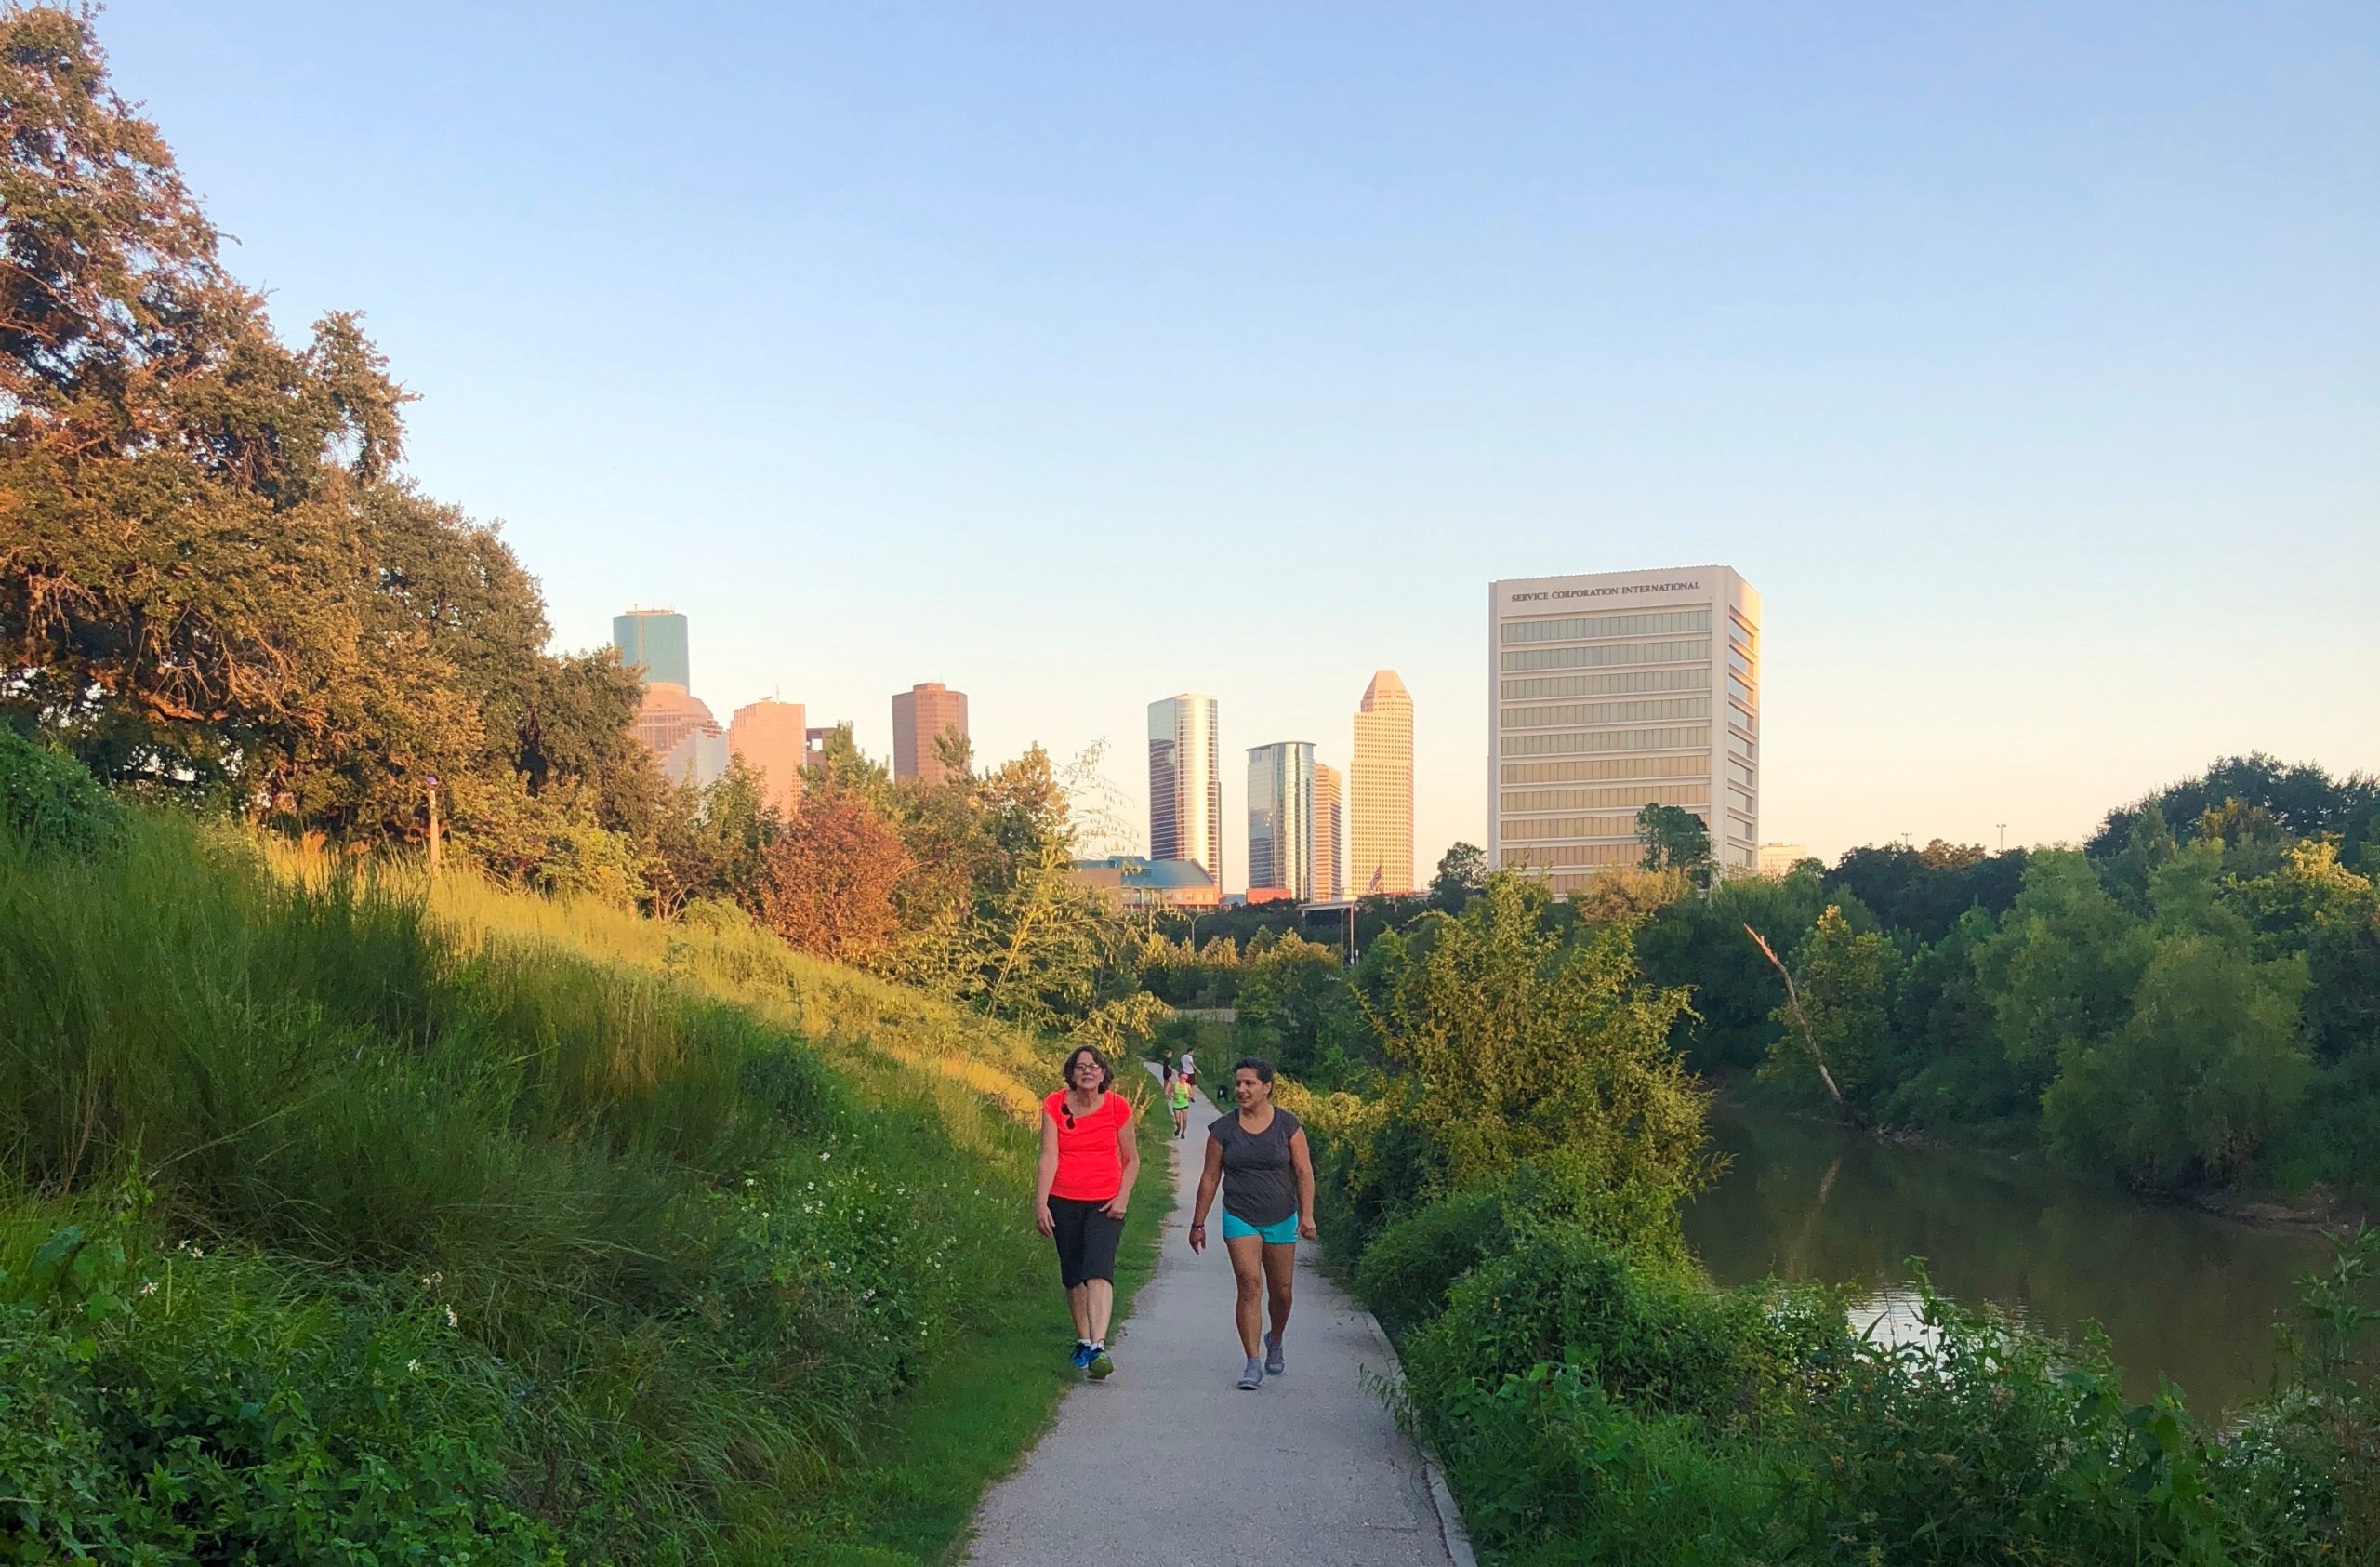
[{"x": 1168, "y": 1462}]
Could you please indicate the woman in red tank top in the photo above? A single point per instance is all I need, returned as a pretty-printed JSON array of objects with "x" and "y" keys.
[{"x": 1089, "y": 1160}]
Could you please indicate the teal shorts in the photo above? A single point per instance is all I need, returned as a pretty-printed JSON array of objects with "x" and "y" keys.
[{"x": 1282, "y": 1234}]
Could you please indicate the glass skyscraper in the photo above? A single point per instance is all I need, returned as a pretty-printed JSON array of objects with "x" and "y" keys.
[
  {"x": 1280, "y": 818},
  {"x": 655, "y": 641},
  {"x": 1186, "y": 783}
]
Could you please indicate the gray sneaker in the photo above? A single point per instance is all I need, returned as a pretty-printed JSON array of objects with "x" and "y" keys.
[
  {"x": 1253, "y": 1377},
  {"x": 1273, "y": 1363}
]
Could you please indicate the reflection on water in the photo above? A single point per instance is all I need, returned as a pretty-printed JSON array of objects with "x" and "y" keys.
[{"x": 2180, "y": 1293}]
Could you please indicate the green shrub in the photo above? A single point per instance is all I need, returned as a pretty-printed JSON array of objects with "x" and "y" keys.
[
  {"x": 1406, "y": 1272},
  {"x": 187, "y": 1408},
  {"x": 1408, "y": 1269},
  {"x": 50, "y": 802},
  {"x": 1978, "y": 1443},
  {"x": 1552, "y": 1469},
  {"x": 1657, "y": 1338}
]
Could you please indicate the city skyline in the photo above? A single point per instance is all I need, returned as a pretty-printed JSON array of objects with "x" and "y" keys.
[{"x": 1940, "y": 378}]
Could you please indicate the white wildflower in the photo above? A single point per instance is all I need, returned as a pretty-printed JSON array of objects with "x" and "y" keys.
[
  {"x": 413, "y": 1365},
  {"x": 149, "y": 1288},
  {"x": 452, "y": 1320}
]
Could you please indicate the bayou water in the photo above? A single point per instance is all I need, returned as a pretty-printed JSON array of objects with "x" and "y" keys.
[{"x": 2181, "y": 1292}]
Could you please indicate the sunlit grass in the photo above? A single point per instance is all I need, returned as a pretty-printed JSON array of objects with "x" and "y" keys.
[{"x": 745, "y": 1234}]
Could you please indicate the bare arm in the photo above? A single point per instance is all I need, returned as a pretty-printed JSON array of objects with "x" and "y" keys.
[
  {"x": 1045, "y": 1175},
  {"x": 1128, "y": 1150},
  {"x": 1209, "y": 1178},
  {"x": 1302, "y": 1161}
]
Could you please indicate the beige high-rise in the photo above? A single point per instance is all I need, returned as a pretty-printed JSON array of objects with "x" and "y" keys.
[
  {"x": 1380, "y": 789},
  {"x": 1613, "y": 691},
  {"x": 921, "y": 716},
  {"x": 769, "y": 736},
  {"x": 1330, "y": 828}
]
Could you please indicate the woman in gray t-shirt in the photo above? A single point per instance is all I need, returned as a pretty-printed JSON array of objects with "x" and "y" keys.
[{"x": 1258, "y": 1155}]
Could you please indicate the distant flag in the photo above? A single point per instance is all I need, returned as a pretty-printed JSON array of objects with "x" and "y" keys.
[{"x": 1375, "y": 885}]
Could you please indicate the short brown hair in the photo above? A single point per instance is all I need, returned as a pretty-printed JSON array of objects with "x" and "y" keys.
[{"x": 1106, "y": 1072}]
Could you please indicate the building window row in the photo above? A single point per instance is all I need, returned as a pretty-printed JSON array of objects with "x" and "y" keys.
[
  {"x": 1569, "y": 714},
  {"x": 1697, "y": 766},
  {"x": 1619, "y": 824},
  {"x": 1685, "y": 650},
  {"x": 1581, "y": 628},
  {"x": 1608, "y": 739},
  {"x": 1594, "y": 799},
  {"x": 1741, "y": 693},
  {"x": 1630, "y": 853},
  {"x": 1741, "y": 747},
  {"x": 1742, "y": 803},
  {"x": 1568, "y": 882},
  {"x": 1612, "y": 683},
  {"x": 1738, "y": 773}
]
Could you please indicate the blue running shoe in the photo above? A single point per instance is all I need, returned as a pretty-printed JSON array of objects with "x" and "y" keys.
[{"x": 1082, "y": 1355}]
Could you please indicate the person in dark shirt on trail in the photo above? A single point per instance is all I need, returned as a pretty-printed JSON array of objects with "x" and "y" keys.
[{"x": 1258, "y": 1155}]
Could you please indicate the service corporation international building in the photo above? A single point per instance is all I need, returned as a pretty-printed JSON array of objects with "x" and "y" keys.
[{"x": 1615, "y": 692}]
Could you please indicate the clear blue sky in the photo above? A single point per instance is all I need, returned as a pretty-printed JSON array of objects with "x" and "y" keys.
[{"x": 2026, "y": 358}]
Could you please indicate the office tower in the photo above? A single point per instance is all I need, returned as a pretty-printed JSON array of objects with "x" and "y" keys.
[
  {"x": 1329, "y": 828},
  {"x": 1280, "y": 818},
  {"x": 814, "y": 744},
  {"x": 1776, "y": 859},
  {"x": 1186, "y": 783},
  {"x": 921, "y": 715},
  {"x": 677, "y": 728},
  {"x": 1613, "y": 692},
  {"x": 769, "y": 735},
  {"x": 1380, "y": 792},
  {"x": 654, "y": 640}
]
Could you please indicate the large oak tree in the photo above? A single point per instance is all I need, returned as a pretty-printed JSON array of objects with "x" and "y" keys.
[{"x": 213, "y": 579}]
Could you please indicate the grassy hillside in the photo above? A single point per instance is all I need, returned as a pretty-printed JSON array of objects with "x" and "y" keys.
[{"x": 345, "y": 1217}]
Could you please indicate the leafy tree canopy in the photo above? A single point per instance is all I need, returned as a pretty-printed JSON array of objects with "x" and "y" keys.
[
  {"x": 1674, "y": 839},
  {"x": 215, "y": 582}
]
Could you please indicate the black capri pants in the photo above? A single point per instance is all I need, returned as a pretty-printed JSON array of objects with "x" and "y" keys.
[{"x": 1086, "y": 1240}]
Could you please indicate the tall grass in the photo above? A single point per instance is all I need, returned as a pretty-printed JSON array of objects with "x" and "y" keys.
[{"x": 697, "y": 1204}]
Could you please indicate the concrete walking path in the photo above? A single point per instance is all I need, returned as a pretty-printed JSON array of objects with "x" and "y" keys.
[{"x": 1167, "y": 1462}]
